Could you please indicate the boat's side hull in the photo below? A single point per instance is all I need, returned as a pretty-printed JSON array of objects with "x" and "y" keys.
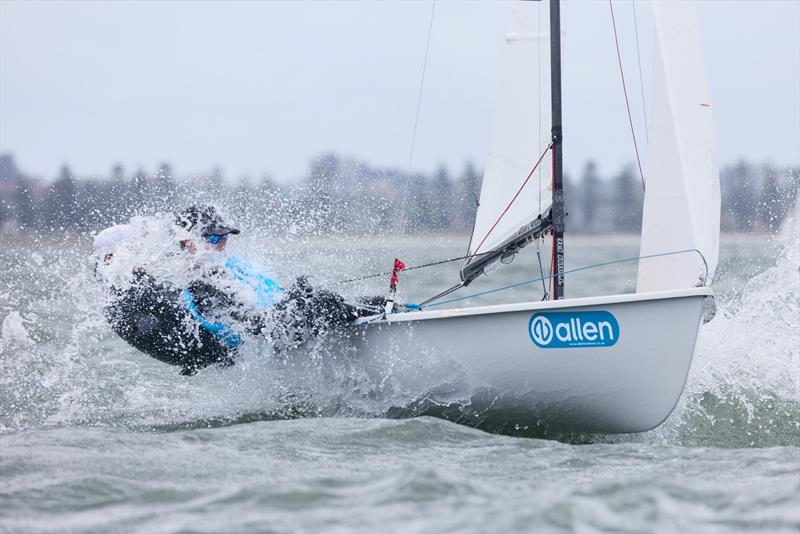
[{"x": 629, "y": 381}]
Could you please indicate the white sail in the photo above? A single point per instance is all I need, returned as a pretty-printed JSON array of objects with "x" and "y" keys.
[
  {"x": 520, "y": 134},
  {"x": 682, "y": 200}
]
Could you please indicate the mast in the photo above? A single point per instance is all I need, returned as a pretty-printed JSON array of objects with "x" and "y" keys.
[
  {"x": 513, "y": 211},
  {"x": 558, "y": 210}
]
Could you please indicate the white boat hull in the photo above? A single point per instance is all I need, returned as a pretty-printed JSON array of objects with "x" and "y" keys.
[{"x": 565, "y": 376}]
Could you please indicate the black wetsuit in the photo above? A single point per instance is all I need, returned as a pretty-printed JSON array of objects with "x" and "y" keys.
[
  {"x": 306, "y": 312},
  {"x": 153, "y": 317},
  {"x": 150, "y": 317}
]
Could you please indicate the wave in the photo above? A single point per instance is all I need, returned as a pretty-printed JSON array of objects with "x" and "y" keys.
[{"x": 60, "y": 365}]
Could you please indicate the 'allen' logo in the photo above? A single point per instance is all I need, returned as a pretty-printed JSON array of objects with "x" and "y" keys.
[{"x": 551, "y": 330}]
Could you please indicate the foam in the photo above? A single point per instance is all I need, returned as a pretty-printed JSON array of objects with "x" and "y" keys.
[{"x": 62, "y": 364}]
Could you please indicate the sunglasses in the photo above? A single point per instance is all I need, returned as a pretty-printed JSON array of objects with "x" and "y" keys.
[{"x": 215, "y": 239}]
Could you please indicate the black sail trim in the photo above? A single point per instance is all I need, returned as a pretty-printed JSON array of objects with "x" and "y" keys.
[{"x": 477, "y": 264}]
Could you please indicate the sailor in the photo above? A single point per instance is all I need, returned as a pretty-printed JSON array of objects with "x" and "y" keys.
[
  {"x": 229, "y": 297},
  {"x": 225, "y": 300},
  {"x": 147, "y": 313}
]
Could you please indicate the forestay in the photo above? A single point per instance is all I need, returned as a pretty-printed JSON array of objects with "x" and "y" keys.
[
  {"x": 682, "y": 200},
  {"x": 520, "y": 134}
]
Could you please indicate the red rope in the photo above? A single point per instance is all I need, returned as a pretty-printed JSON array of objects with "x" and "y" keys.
[
  {"x": 625, "y": 90},
  {"x": 509, "y": 204}
]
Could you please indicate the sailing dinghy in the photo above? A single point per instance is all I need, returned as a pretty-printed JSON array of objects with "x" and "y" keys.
[{"x": 610, "y": 364}]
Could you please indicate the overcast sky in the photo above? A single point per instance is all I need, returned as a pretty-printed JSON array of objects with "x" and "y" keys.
[{"x": 262, "y": 87}]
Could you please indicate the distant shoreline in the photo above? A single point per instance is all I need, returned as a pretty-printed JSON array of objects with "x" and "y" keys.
[{"x": 440, "y": 238}]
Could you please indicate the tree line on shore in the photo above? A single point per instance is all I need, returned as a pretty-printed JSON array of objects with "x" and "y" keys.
[{"x": 345, "y": 195}]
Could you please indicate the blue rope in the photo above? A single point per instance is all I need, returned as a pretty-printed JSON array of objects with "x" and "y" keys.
[{"x": 570, "y": 271}]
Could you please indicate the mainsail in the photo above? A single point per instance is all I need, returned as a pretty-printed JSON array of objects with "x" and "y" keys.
[
  {"x": 520, "y": 135},
  {"x": 682, "y": 200}
]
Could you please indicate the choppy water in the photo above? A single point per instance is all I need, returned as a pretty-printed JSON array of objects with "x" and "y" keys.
[{"x": 97, "y": 437}]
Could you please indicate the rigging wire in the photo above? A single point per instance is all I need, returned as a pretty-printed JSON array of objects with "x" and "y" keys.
[
  {"x": 641, "y": 81},
  {"x": 553, "y": 247},
  {"x": 540, "y": 239},
  {"x": 436, "y": 297},
  {"x": 533, "y": 170},
  {"x": 545, "y": 294},
  {"x": 419, "y": 107},
  {"x": 570, "y": 271},
  {"x": 412, "y": 268},
  {"x": 539, "y": 95},
  {"x": 625, "y": 90}
]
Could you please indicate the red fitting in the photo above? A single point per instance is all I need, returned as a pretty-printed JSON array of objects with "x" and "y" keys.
[{"x": 398, "y": 266}]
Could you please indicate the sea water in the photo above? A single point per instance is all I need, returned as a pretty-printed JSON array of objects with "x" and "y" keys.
[{"x": 96, "y": 437}]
